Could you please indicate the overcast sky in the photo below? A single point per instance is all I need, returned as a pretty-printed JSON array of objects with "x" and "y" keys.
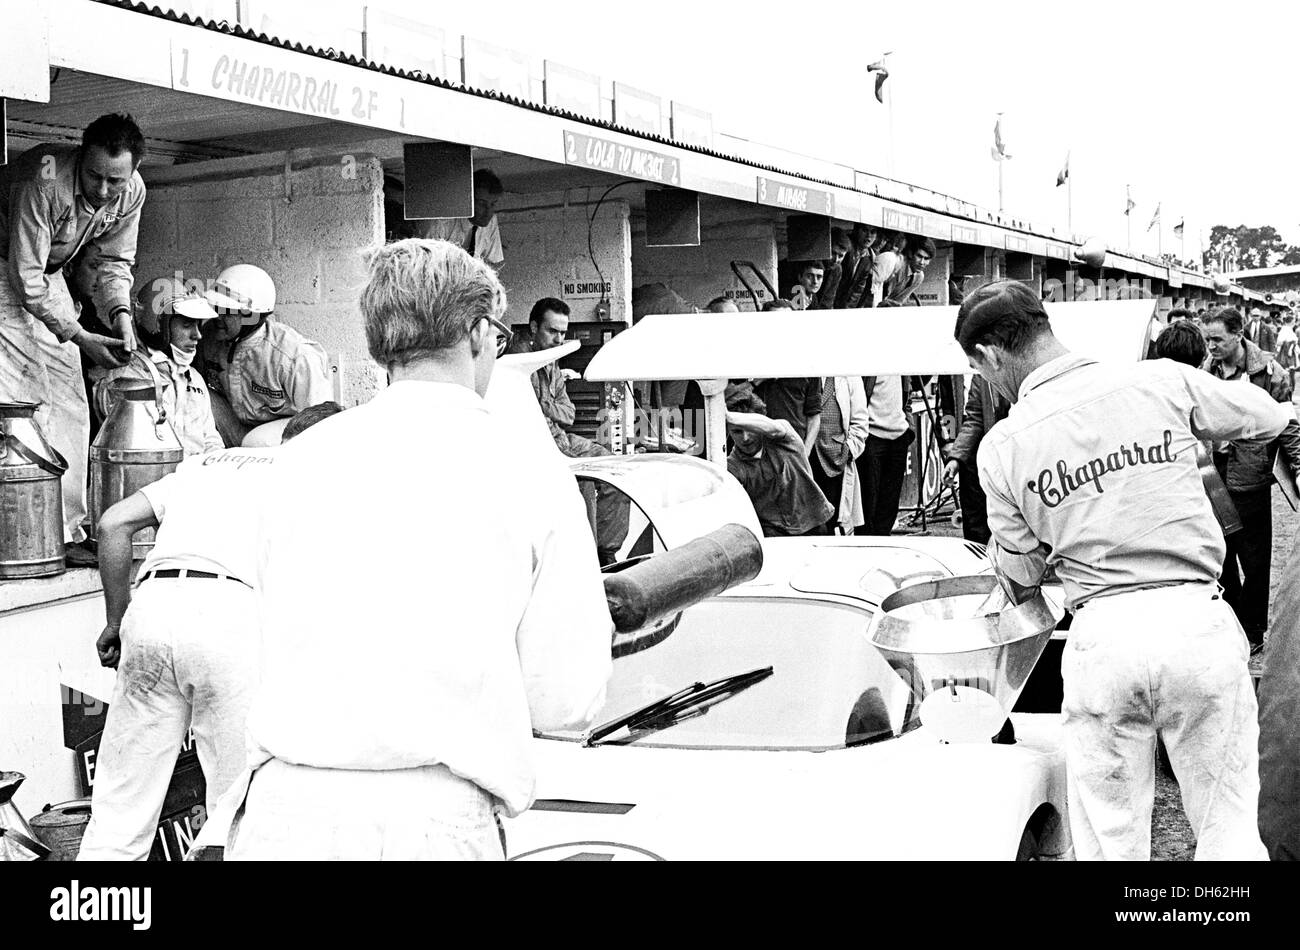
[{"x": 1186, "y": 105}]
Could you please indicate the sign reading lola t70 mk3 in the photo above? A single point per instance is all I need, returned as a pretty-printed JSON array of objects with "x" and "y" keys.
[{"x": 610, "y": 156}]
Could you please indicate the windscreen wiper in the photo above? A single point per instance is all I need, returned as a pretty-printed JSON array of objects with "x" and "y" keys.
[{"x": 687, "y": 703}]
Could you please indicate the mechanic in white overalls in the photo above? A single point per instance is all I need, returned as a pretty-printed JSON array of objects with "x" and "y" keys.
[
  {"x": 167, "y": 322},
  {"x": 1094, "y": 473},
  {"x": 184, "y": 642},
  {"x": 257, "y": 368}
]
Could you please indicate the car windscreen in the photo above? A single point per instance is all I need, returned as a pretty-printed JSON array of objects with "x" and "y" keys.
[{"x": 829, "y": 687}]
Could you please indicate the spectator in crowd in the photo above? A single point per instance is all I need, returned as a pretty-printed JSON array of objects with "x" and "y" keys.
[
  {"x": 769, "y": 459},
  {"x": 889, "y": 263},
  {"x": 479, "y": 235},
  {"x": 1247, "y": 469},
  {"x": 1258, "y": 332},
  {"x": 883, "y": 462},
  {"x": 984, "y": 409},
  {"x": 901, "y": 289},
  {"x": 1177, "y": 314},
  {"x": 809, "y": 276},
  {"x": 167, "y": 323},
  {"x": 841, "y": 437},
  {"x": 833, "y": 270},
  {"x": 797, "y": 401},
  {"x": 1287, "y": 357},
  {"x": 192, "y": 617},
  {"x": 548, "y": 324},
  {"x": 855, "y": 281},
  {"x": 722, "y": 305},
  {"x": 55, "y": 201},
  {"x": 257, "y": 369},
  {"x": 483, "y": 620}
]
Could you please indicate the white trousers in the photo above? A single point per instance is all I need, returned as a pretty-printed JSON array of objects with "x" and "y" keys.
[
  {"x": 189, "y": 649},
  {"x": 300, "y": 813},
  {"x": 36, "y": 367},
  {"x": 1169, "y": 662}
]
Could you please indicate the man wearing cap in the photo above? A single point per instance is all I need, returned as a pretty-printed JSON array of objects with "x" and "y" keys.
[
  {"x": 1094, "y": 473},
  {"x": 257, "y": 368},
  {"x": 55, "y": 201},
  {"x": 168, "y": 318},
  {"x": 183, "y": 642},
  {"x": 1259, "y": 332}
]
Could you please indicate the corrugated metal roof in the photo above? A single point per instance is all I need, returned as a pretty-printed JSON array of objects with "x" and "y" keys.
[{"x": 226, "y": 27}]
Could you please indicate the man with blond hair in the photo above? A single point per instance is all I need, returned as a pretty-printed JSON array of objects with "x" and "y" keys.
[{"x": 417, "y": 625}]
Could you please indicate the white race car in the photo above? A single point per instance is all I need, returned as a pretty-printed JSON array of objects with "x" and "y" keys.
[{"x": 783, "y": 733}]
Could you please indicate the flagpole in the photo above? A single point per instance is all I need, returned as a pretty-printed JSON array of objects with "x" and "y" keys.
[
  {"x": 1000, "y": 164},
  {"x": 1069, "y": 199},
  {"x": 889, "y": 106},
  {"x": 1128, "y": 216}
]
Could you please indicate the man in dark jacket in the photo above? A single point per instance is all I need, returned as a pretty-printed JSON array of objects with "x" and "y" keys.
[
  {"x": 840, "y": 246},
  {"x": 1247, "y": 470},
  {"x": 1259, "y": 332},
  {"x": 983, "y": 408},
  {"x": 855, "y": 280}
]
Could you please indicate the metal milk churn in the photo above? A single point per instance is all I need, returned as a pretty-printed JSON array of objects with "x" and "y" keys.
[
  {"x": 31, "y": 497},
  {"x": 135, "y": 446}
]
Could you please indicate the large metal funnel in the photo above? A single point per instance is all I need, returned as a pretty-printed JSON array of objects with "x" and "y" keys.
[{"x": 930, "y": 634}]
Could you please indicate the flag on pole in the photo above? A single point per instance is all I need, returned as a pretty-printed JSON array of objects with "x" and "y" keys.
[
  {"x": 999, "y": 150},
  {"x": 1064, "y": 173},
  {"x": 1178, "y": 228},
  {"x": 1155, "y": 219},
  {"x": 882, "y": 73},
  {"x": 1128, "y": 210}
]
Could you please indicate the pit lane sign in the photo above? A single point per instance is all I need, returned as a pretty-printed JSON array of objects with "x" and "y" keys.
[
  {"x": 779, "y": 194},
  {"x": 589, "y": 151}
]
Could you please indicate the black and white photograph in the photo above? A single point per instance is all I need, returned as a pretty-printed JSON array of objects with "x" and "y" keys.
[{"x": 733, "y": 433}]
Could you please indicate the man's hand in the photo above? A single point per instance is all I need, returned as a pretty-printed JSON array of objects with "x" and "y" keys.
[
  {"x": 570, "y": 374},
  {"x": 124, "y": 324},
  {"x": 106, "y": 351},
  {"x": 109, "y": 646},
  {"x": 950, "y": 472}
]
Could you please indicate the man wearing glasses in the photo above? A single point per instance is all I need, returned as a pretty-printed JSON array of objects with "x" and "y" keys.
[
  {"x": 548, "y": 324},
  {"x": 416, "y": 627}
]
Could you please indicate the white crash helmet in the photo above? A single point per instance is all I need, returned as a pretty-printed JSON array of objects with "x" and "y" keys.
[
  {"x": 164, "y": 297},
  {"x": 245, "y": 289}
]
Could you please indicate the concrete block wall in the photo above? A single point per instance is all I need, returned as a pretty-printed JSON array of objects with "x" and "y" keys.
[
  {"x": 307, "y": 233},
  {"x": 728, "y": 231},
  {"x": 544, "y": 240}
]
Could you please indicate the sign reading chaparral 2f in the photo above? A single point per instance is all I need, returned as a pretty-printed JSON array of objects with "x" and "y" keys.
[
  {"x": 267, "y": 76},
  {"x": 781, "y": 194},
  {"x": 610, "y": 156}
]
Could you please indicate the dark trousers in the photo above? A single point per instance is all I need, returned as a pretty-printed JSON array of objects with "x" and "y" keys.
[
  {"x": 881, "y": 468},
  {"x": 1251, "y": 548},
  {"x": 974, "y": 504},
  {"x": 832, "y": 487}
]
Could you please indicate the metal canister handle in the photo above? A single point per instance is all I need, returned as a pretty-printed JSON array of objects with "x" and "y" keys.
[
  {"x": 157, "y": 388},
  {"x": 44, "y": 464}
]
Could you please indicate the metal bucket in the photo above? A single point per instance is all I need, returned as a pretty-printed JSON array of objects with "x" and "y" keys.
[
  {"x": 31, "y": 496},
  {"x": 932, "y": 638},
  {"x": 61, "y": 828},
  {"x": 135, "y": 446}
]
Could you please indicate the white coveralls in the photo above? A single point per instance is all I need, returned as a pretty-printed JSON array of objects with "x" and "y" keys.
[
  {"x": 411, "y": 644},
  {"x": 185, "y": 399},
  {"x": 189, "y": 650},
  {"x": 44, "y": 223},
  {"x": 273, "y": 373},
  {"x": 1097, "y": 462}
]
